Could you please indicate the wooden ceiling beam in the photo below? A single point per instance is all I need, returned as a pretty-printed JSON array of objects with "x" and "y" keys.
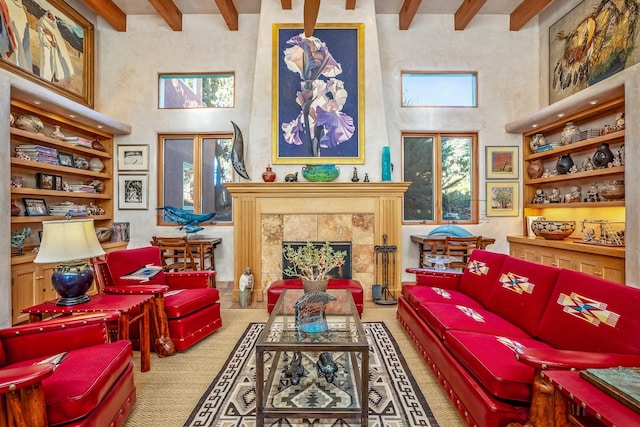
[
  {"x": 169, "y": 12},
  {"x": 110, "y": 12},
  {"x": 525, "y": 12},
  {"x": 350, "y": 5},
  {"x": 408, "y": 12},
  {"x": 286, "y": 4},
  {"x": 466, "y": 12},
  {"x": 229, "y": 13}
]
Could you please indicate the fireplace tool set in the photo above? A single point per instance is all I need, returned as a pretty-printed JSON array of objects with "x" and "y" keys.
[{"x": 385, "y": 270}]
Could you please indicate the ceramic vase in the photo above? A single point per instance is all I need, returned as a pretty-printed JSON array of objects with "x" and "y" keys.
[
  {"x": 56, "y": 133},
  {"x": 314, "y": 285},
  {"x": 15, "y": 209},
  {"x": 566, "y": 137},
  {"x": 564, "y": 164},
  {"x": 386, "y": 164},
  {"x": 96, "y": 165},
  {"x": 535, "y": 168},
  {"x": 603, "y": 156},
  {"x": 268, "y": 175},
  {"x": 29, "y": 123},
  {"x": 320, "y": 173}
]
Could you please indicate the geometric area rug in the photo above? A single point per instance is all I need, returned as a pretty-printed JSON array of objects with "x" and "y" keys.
[{"x": 394, "y": 398}]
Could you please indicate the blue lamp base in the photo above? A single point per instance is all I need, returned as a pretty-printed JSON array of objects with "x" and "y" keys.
[{"x": 72, "y": 280}]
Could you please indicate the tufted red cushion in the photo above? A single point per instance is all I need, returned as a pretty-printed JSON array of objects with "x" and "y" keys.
[
  {"x": 82, "y": 380},
  {"x": 480, "y": 275},
  {"x": 442, "y": 317},
  {"x": 522, "y": 292},
  {"x": 491, "y": 359},
  {"x": 182, "y": 302},
  {"x": 601, "y": 316},
  {"x": 417, "y": 294},
  {"x": 127, "y": 261}
]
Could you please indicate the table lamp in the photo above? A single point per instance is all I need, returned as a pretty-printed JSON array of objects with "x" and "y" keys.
[{"x": 70, "y": 242}]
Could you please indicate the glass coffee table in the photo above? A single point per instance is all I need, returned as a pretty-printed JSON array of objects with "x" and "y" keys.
[{"x": 311, "y": 375}]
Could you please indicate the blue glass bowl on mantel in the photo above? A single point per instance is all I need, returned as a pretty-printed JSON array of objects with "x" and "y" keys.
[{"x": 320, "y": 173}]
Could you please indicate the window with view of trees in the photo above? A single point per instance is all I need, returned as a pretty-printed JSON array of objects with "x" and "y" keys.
[
  {"x": 215, "y": 90},
  {"x": 194, "y": 168},
  {"x": 442, "y": 169}
]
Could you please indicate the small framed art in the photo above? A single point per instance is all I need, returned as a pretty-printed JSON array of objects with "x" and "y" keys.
[
  {"x": 45, "y": 181},
  {"x": 502, "y": 162},
  {"x": 65, "y": 159},
  {"x": 35, "y": 207},
  {"x": 133, "y": 157},
  {"x": 133, "y": 191},
  {"x": 502, "y": 198}
]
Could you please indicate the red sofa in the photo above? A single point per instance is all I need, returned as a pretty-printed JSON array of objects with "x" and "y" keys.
[
  {"x": 276, "y": 288},
  {"x": 487, "y": 331},
  {"x": 183, "y": 299},
  {"x": 92, "y": 386}
]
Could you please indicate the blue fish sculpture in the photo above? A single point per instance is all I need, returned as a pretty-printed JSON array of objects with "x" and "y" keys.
[{"x": 188, "y": 219}]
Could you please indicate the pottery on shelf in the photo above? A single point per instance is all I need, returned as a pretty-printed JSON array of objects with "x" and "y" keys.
[
  {"x": 564, "y": 164},
  {"x": 553, "y": 230},
  {"x": 603, "y": 156},
  {"x": 12, "y": 119},
  {"x": 566, "y": 137},
  {"x": 56, "y": 133},
  {"x": 268, "y": 175},
  {"x": 538, "y": 140},
  {"x": 96, "y": 165},
  {"x": 320, "y": 173},
  {"x": 80, "y": 162},
  {"x": 97, "y": 146},
  {"x": 612, "y": 190},
  {"x": 535, "y": 168},
  {"x": 15, "y": 209},
  {"x": 29, "y": 122}
]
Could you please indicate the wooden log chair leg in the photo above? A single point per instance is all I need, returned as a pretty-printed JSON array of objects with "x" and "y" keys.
[
  {"x": 163, "y": 343},
  {"x": 26, "y": 407},
  {"x": 548, "y": 407}
]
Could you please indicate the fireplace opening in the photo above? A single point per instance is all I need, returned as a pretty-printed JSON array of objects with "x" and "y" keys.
[{"x": 342, "y": 272}]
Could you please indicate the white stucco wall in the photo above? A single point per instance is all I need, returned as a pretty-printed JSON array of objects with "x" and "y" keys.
[{"x": 128, "y": 64}]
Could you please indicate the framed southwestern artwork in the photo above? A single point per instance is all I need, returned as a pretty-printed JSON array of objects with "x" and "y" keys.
[
  {"x": 502, "y": 162},
  {"x": 318, "y": 94},
  {"x": 595, "y": 40},
  {"x": 502, "y": 198},
  {"x": 51, "y": 44}
]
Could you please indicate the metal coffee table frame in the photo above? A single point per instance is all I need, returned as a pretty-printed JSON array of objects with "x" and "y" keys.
[{"x": 347, "y": 336}]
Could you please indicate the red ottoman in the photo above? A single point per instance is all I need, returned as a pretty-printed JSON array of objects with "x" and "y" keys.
[{"x": 276, "y": 288}]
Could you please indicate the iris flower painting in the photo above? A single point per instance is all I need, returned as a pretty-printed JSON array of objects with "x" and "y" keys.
[{"x": 318, "y": 96}]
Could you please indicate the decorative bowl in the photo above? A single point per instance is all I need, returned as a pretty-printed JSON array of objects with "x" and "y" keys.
[
  {"x": 612, "y": 190},
  {"x": 320, "y": 173},
  {"x": 103, "y": 234},
  {"x": 553, "y": 230}
]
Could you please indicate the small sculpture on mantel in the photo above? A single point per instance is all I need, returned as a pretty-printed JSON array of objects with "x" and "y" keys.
[
  {"x": 354, "y": 177},
  {"x": 291, "y": 177}
]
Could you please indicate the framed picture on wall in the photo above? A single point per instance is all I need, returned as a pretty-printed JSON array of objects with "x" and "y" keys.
[
  {"x": 51, "y": 44},
  {"x": 133, "y": 191},
  {"x": 502, "y": 162},
  {"x": 502, "y": 198},
  {"x": 324, "y": 124},
  {"x": 133, "y": 157}
]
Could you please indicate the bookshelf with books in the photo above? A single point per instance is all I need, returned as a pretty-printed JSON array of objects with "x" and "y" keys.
[{"x": 61, "y": 166}]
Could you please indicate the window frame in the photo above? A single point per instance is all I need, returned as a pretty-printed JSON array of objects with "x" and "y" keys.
[
  {"x": 437, "y": 181},
  {"x": 474, "y": 95},
  {"x": 198, "y": 141}
]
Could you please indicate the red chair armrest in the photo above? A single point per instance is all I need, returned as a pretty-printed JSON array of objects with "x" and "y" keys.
[
  {"x": 18, "y": 378},
  {"x": 189, "y": 279},
  {"x": 139, "y": 289},
  {"x": 440, "y": 279},
  {"x": 570, "y": 359}
]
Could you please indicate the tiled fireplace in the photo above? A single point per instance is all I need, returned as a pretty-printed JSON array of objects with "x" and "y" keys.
[{"x": 266, "y": 214}]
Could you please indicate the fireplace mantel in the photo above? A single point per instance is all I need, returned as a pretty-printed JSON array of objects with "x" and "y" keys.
[{"x": 254, "y": 201}]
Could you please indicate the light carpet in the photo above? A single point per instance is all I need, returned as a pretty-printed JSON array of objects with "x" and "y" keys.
[
  {"x": 394, "y": 399},
  {"x": 170, "y": 390}
]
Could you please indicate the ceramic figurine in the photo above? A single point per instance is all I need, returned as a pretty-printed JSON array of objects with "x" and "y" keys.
[
  {"x": 620, "y": 121},
  {"x": 555, "y": 196},
  {"x": 366, "y": 177},
  {"x": 291, "y": 177},
  {"x": 326, "y": 366},
  {"x": 592, "y": 194},
  {"x": 354, "y": 177}
]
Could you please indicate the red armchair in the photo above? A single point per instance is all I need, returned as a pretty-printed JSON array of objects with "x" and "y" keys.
[
  {"x": 186, "y": 309},
  {"x": 92, "y": 385}
]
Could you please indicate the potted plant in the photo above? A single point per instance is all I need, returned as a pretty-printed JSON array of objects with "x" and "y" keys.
[{"x": 312, "y": 263}]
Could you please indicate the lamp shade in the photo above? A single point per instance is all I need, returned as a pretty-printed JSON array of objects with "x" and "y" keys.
[{"x": 68, "y": 240}]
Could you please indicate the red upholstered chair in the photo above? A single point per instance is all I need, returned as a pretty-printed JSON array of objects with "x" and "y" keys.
[
  {"x": 186, "y": 309},
  {"x": 91, "y": 386}
]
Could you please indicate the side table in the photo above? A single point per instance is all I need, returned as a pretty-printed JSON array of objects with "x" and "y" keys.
[
  {"x": 132, "y": 308},
  {"x": 586, "y": 405}
]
